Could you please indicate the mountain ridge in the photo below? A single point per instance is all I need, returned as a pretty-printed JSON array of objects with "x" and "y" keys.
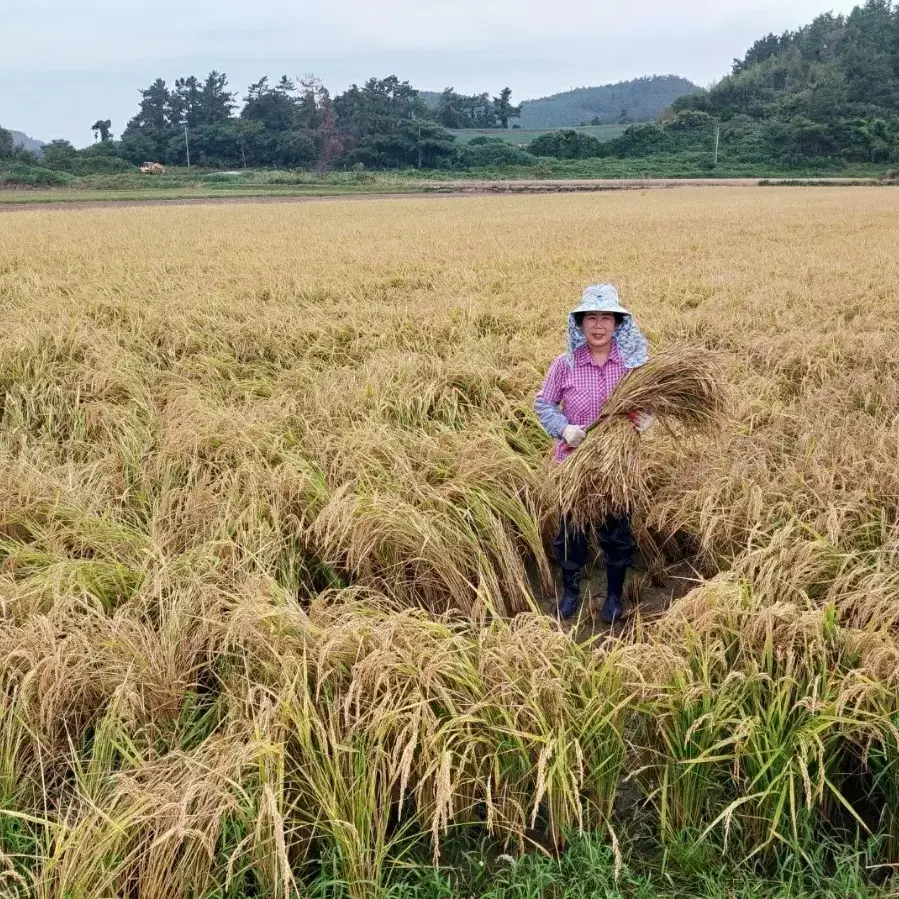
[{"x": 637, "y": 100}]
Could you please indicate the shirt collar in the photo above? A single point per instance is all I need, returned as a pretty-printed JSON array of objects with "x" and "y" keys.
[{"x": 582, "y": 356}]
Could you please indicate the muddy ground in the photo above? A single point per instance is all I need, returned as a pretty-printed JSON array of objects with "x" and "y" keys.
[{"x": 646, "y": 596}]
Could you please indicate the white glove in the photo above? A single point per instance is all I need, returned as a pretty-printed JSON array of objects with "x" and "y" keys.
[
  {"x": 574, "y": 436},
  {"x": 643, "y": 421}
]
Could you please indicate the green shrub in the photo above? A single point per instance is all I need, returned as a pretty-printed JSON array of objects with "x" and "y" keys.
[
  {"x": 18, "y": 175},
  {"x": 485, "y": 152},
  {"x": 566, "y": 144},
  {"x": 641, "y": 140},
  {"x": 98, "y": 165}
]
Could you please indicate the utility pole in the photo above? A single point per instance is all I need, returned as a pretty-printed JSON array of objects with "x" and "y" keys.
[
  {"x": 419, "y": 144},
  {"x": 717, "y": 135},
  {"x": 186, "y": 144}
]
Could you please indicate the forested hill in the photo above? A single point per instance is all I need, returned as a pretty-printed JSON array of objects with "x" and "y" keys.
[
  {"x": 640, "y": 100},
  {"x": 830, "y": 88}
]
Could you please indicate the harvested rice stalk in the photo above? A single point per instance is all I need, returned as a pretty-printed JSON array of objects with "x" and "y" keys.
[{"x": 609, "y": 474}]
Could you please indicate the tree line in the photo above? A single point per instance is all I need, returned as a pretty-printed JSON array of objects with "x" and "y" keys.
[{"x": 289, "y": 123}]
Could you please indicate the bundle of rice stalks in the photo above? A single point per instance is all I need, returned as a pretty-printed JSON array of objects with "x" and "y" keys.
[{"x": 609, "y": 473}]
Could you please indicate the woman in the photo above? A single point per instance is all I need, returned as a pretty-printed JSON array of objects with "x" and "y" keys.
[{"x": 604, "y": 343}]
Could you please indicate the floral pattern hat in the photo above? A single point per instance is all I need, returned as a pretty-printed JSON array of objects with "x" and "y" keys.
[{"x": 628, "y": 337}]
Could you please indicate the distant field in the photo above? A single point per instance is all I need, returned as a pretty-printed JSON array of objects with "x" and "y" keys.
[{"x": 523, "y": 136}]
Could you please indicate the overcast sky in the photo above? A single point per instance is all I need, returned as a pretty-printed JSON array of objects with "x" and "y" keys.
[{"x": 64, "y": 64}]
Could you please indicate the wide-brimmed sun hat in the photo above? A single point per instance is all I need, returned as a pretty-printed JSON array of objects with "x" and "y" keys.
[
  {"x": 601, "y": 298},
  {"x": 628, "y": 337}
]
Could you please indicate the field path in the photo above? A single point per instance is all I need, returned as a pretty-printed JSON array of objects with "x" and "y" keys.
[{"x": 430, "y": 189}]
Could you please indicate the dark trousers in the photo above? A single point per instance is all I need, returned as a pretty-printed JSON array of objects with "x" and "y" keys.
[{"x": 613, "y": 536}]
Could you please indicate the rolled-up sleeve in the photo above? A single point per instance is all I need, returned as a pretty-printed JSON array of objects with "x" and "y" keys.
[{"x": 546, "y": 403}]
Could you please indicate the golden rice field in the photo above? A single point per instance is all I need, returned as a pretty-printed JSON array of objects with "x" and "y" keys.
[{"x": 274, "y": 517}]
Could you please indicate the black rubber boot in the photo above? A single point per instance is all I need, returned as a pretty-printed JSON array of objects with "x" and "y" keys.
[
  {"x": 613, "y": 607},
  {"x": 571, "y": 593}
]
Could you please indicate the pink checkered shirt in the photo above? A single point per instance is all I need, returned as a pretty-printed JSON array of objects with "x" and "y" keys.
[{"x": 581, "y": 391}]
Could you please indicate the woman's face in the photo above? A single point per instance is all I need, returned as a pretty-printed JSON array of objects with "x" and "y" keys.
[{"x": 598, "y": 328}]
